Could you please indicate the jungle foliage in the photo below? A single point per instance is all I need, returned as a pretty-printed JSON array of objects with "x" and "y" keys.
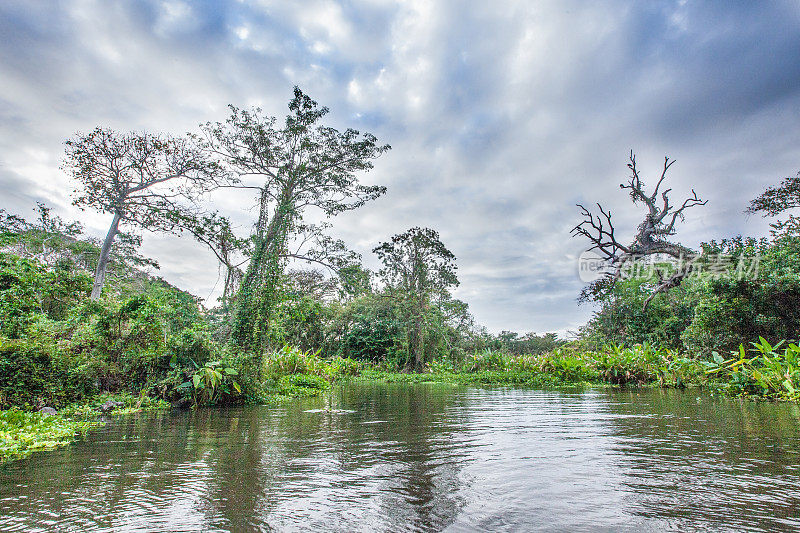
[{"x": 282, "y": 330}]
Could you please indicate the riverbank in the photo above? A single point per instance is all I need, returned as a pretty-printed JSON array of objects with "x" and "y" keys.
[
  {"x": 763, "y": 373},
  {"x": 24, "y": 432},
  {"x": 568, "y": 366}
]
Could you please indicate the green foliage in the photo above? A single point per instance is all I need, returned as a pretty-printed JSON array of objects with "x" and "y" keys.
[
  {"x": 766, "y": 372},
  {"x": 22, "y": 432},
  {"x": 213, "y": 382},
  {"x": 368, "y": 328},
  {"x": 529, "y": 343},
  {"x": 755, "y": 294},
  {"x": 289, "y": 361},
  {"x": 342, "y": 367},
  {"x": 35, "y": 375},
  {"x": 302, "y": 385},
  {"x": 250, "y": 374},
  {"x": 29, "y": 291},
  {"x": 622, "y": 318},
  {"x": 302, "y": 164},
  {"x": 300, "y": 321},
  {"x": 642, "y": 364},
  {"x": 734, "y": 309},
  {"x": 776, "y": 200},
  {"x": 417, "y": 262},
  {"x": 59, "y": 347},
  {"x": 571, "y": 363},
  {"x": 418, "y": 270}
]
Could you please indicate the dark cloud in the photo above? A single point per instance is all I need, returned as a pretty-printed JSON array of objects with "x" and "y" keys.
[{"x": 501, "y": 119}]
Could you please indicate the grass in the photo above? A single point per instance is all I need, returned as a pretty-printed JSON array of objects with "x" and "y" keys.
[{"x": 639, "y": 365}]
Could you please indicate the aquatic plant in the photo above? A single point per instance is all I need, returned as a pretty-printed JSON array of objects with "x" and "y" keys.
[
  {"x": 302, "y": 385},
  {"x": 23, "y": 432},
  {"x": 290, "y": 361},
  {"x": 766, "y": 372}
]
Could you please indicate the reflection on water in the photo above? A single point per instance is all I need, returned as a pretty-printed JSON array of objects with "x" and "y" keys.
[{"x": 425, "y": 457}]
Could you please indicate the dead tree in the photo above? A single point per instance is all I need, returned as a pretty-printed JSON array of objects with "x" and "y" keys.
[{"x": 652, "y": 235}]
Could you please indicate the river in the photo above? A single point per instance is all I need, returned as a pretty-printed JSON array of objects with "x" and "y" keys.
[{"x": 426, "y": 457}]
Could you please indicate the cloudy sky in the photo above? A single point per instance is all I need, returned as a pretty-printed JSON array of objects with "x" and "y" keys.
[{"x": 501, "y": 115}]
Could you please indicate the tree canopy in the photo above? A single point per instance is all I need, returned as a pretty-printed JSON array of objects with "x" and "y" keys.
[{"x": 291, "y": 166}]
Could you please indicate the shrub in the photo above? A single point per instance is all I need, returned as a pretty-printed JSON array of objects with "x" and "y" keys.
[
  {"x": 35, "y": 375},
  {"x": 212, "y": 383},
  {"x": 344, "y": 367},
  {"x": 28, "y": 291},
  {"x": 248, "y": 367},
  {"x": 289, "y": 360},
  {"x": 768, "y": 372}
]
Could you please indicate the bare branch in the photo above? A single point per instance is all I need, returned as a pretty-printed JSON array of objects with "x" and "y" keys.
[{"x": 651, "y": 236}]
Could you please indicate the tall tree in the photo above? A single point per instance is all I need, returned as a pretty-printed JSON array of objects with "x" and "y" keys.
[
  {"x": 651, "y": 238},
  {"x": 291, "y": 167},
  {"x": 138, "y": 178},
  {"x": 418, "y": 270}
]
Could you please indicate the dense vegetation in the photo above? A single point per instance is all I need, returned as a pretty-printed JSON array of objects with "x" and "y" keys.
[{"x": 82, "y": 319}]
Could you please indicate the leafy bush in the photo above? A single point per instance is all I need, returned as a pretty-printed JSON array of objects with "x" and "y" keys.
[
  {"x": 299, "y": 321},
  {"x": 290, "y": 360},
  {"x": 755, "y": 295},
  {"x": 213, "y": 382},
  {"x": 344, "y": 367},
  {"x": 36, "y": 375},
  {"x": 368, "y": 328},
  {"x": 486, "y": 360},
  {"x": 29, "y": 291},
  {"x": 769, "y": 373}
]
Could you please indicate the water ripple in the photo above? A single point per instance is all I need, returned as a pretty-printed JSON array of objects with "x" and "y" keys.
[{"x": 375, "y": 457}]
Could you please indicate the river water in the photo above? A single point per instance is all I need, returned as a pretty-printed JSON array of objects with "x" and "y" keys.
[{"x": 427, "y": 457}]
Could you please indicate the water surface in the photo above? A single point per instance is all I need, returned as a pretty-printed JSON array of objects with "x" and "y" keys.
[{"x": 429, "y": 457}]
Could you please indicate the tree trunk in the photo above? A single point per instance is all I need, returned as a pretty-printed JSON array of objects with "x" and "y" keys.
[
  {"x": 419, "y": 348},
  {"x": 105, "y": 254},
  {"x": 417, "y": 338},
  {"x": 257, "y": 294}
]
